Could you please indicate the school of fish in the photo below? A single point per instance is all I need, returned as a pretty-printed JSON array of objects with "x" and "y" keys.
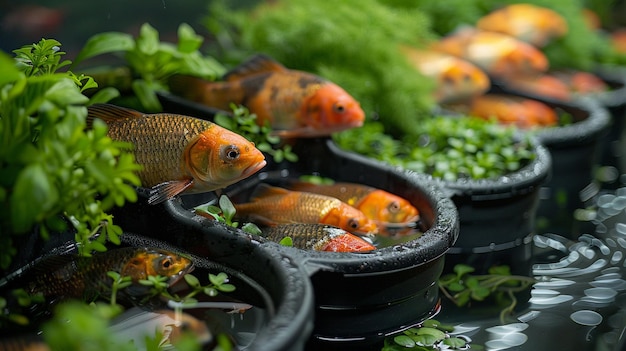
[
  {"x": 294, "y": 103},
  {"x": 180, "y": 154}
]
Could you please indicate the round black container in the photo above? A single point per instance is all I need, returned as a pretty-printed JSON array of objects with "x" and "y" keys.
[
  {"x": 497, "y": 216},
  {"x": 575, "y": 149}
]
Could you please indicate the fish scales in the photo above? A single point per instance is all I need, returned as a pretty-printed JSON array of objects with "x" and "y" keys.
[
  {"x": 159, "y": 143},
  {"x": 304, "y": 207}
]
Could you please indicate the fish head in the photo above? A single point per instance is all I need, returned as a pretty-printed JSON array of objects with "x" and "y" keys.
[
  {"x": 462, "y": 80},
  {"x": 523, "y": 59},
  {"x": 383, "y": 206},
  {"x": 331, "y": 109},
  {"x": 156, "y": 262},
  {"x": 350, "y": 219},
  {"x": 219, "y": 157},
  {"x": 339, "y": 240}
]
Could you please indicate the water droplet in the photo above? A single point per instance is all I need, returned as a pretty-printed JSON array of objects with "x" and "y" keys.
[
  {"x": 617, "y": 256},
  {"x": 586, "y": 317}
]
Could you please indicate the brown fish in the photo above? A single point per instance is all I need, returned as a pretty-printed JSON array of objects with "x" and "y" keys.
[
  {"x": 318, "y": 237},
  {"x": 273, "y": 205},
  {"x": 294, "y": 103},
  {"x": 181, "y": 154}
]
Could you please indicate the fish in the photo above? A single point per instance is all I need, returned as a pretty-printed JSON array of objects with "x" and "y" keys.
[
  {"x": 377, "y": 204},
  {"x": 294, "y": 103},
  {"x": 500, "y": 55},
  {"x": 515, "y": 110},
  {"x": 456, "y": 79},
  {"x": 582, "y": 82},
  {"x": 533, "y": 24},
  {"x": 180, "y": 154},
  {"x": 617, "y": 39},
  {"x": 562, "y": 85},
  {"x": 318, "y": 237},
  {"x": 66, "y": 276},
  {"x": 271, "y": 205}
]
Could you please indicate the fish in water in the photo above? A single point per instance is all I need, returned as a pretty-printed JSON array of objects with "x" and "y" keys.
[
  {"x": 500, "y": 55},
  {"x": 456, "y": 79},
  {"x": 562, "y": 84},
  {"x": 72, "y": 276},
  {"x": 533, "y": 24},
  {"x": 377, "y": 204},
  {"x": 510, "y": 109},
  {"x": 318, "y": 237},
  {"x": 271, "y": 205},
  {"x": 180, "y": 154},
  {"x": 294, "y": 103}
]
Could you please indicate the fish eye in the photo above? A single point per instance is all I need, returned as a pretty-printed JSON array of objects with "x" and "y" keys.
[
  {"x": 166, "y": 263},
  {"x": 353, "y": 224},
  {"x": 230, "y": 153},
  {"x": 339, "y": 108},
  {"x": 393, "y": 207}
]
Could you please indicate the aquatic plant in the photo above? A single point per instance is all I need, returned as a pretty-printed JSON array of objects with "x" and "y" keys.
[
  {"x": 430, "y": 335},
  {"x": 151, "y": 61},
  {"x": 462, "y": 287},
  {"x": 55, "y": 173},
  {"x": 446, "y": 147},
  {"x": 225, "y": 213},
  {"x": 358, "y": 50}
]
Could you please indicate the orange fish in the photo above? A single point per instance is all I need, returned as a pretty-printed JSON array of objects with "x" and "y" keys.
[
  {"x": 500, "y": 55},
  {"x": 522, "y": 112},
  {"x": 618, "y": 40},
  {"x": 582, "y": 82},
  {"x": 319, "y": 237},
  {"x": 456, "y": 79},
  {"x": 377, "y": 204},
  {"x": 533, "y": 24},
  {"x": 181, "y": 154},
  {"x": 273, "y": 205},
  {"x": 545, "y": 85},
  {"x": 294, "y": 103}
]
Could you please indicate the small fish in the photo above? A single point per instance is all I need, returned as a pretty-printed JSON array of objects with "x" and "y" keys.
[
  {"x": 561, "y": 85},
  {"x": 500, "y": 55},
  {"x": 508, "y": 109},
  {"x": 618, "y": 40},
  {"x": 377, "y": 204},
  {"x": 274, "y": 205},
  {"x": 533, "y": 24},
  {"x": 294, "y": 103},
  {"x": 180, "y": 154},
  {"x": 73, "y": 276},
  {"x": 319, "y": 237},
  {"x": 456, "y": 79},
  {"x": 582, "y": 82}
]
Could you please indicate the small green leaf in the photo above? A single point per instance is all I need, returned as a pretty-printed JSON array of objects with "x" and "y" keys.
[
  {"x": 192, "y": 280},
  {"x": 104, "y": 43},
  {"x": 286, "y": 241},
  {"x": 436, "y": 333},
  {"x": 462, "y": 269},
  {"x": 455, "y": 343},
  {"x": 404, "y": 340}
]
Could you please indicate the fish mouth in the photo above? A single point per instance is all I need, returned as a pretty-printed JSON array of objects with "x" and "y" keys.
[
  {"x": 253, "y": 169},
  {"x": 176, "y": 277}
]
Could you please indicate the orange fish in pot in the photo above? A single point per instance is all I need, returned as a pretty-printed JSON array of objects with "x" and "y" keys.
[
  {"x": 271, "y": 205},
  {"x": 500, "y": 55},
  {"x": 509, "y": 109},
  {"x": 377, "y": 204},
  {"x": 533, "y": 24},
  {"x": 180, "y": 154},
  {"x": 318, "y": 237},
  {"x": 456, "y": 79},
  {"x": 294, "y": 103}
]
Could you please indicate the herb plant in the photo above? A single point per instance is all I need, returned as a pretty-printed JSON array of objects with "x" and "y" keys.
[
  {"x": 225, "y": 213},
  {"x": 152, "y": 62},
  {"x": 54, "y": 173},
  {"x": 448, "y": 148},
  {"x": 462, "y": 287}
]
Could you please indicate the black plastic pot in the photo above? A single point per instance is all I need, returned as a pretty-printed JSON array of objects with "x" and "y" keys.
[{"x": 576, "y": 151}]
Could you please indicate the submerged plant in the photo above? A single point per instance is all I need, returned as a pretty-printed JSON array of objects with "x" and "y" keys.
[
  {"x": 462, "y": 287},
  {"x": 430, "y": 335}
]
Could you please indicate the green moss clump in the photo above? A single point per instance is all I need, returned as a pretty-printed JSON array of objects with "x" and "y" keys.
[{"x": 353, "y": 43}]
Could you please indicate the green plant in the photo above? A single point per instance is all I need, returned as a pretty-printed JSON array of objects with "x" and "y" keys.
[
  {"x": 54, "y": 172},
  {"x": 462, "y": 287},
  {"x": 243, "y": 123},
  {"x": 446, "y": 147},
  {"x": 430, "y": 335},
  {"x": 151, "y": 61},
  {"x": 225, "y": 213}
]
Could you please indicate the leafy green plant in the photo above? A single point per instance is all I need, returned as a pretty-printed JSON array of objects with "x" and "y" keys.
[
  {"x": 244, "y": 123},
  {"x": 430, "y": 335},
  {"x": 151, "y": 61},
  {"x": 462, "y": 287},
  {"x": 446, "y": 147},
  {"x": 225, "y": 213},
  {"x": 54, "y": 172}
]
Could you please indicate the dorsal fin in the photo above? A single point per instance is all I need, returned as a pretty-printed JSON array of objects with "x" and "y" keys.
[
  {"x": 109, "y": 113},
  {"x": 259, "y": 63},
  {"x": 264, "y": 189}
]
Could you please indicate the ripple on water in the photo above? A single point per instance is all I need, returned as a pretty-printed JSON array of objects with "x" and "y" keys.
[
  {"x": 507, "y": 341},
  {"x": 601, "y": 294},
  {"x": 586, "y": 317},
  {"x": 544, "y": 302}
]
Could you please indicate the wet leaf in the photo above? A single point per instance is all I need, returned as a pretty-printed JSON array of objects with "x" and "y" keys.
[
  {"x": 404, "y": 340},
  {"x": 192, "y": 280},
  {"x": 455, "y": 343},
  {"x": 436, "y": 333}
]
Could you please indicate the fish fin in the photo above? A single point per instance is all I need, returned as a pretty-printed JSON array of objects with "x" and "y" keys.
[
  {"x": 264, "y": 189},
  {"x": 167, "y": 190},
  {"x": 187, "y": 86},
  {"x": 259, "y": 63},
  {"x": 109, "y": 113}
]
